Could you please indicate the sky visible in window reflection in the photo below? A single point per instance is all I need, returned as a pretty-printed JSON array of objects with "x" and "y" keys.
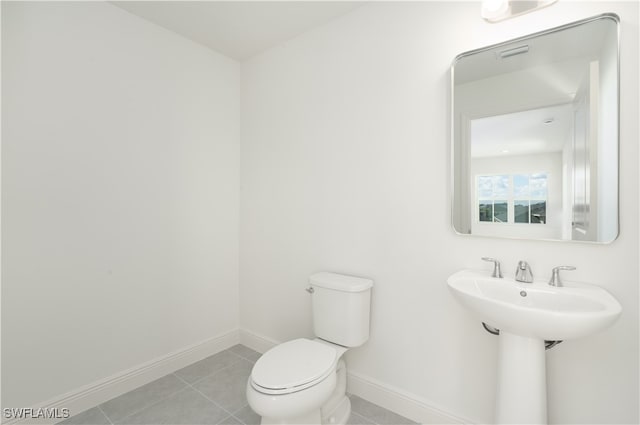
[
  {"x": 530, "y": 186},
  {"x": 525, "y": 186},
  {"x": 493, "y": 187}
]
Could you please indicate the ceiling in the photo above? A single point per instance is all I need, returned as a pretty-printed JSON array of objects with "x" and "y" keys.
[
  {"x": 522, "y": 133},
  {"x": 238, "y": 29}
]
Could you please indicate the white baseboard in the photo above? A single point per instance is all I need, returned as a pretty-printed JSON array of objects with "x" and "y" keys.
[
  {"x": 399, "y": 401},
  {"x": 91, "y": 395},
  {"x": 256, "y": 342}
]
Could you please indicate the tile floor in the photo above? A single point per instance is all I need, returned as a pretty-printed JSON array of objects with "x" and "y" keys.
[{"x": 211, "y": 391}]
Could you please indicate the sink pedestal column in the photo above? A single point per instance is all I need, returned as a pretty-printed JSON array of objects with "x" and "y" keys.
[{"x": 522, "y": 388}]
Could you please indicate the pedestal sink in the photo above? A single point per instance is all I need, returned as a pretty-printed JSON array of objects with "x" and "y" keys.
[{"x": 527, "y": 314}]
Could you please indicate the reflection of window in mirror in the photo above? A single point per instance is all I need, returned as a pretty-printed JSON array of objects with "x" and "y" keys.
[{"x": 512, "y": 198}]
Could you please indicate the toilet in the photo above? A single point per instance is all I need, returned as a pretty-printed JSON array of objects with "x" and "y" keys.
[{"x": 304, "y": 381}]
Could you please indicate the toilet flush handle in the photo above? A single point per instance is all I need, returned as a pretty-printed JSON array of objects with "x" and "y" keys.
[{"x": 310, "y": 290}]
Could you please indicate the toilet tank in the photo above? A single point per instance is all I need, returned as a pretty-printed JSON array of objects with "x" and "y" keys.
[{"x": 341, "y": 306}]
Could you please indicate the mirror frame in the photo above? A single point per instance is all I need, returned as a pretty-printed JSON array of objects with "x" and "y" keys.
[{"x": 452, "y": 151}]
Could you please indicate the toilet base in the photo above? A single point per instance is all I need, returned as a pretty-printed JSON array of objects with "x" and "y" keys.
[
  {"x": 339, "y": 415},
  {"x": 338, "y": 408},
  {"x": 335, "y": 411},
  {"x": 308, "y": 419}
]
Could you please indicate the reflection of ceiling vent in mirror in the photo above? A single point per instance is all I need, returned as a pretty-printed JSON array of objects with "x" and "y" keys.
[{"x": 514, "y": 51}]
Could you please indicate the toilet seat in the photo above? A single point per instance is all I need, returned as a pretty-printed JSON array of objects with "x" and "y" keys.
[{"x": 293, "y": 366}]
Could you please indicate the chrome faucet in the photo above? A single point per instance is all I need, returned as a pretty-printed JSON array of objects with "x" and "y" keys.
[
  {"x": 523, "y": 272},
  {"x": 497, "y": 272},
  {"x": 555, "y": 275}
]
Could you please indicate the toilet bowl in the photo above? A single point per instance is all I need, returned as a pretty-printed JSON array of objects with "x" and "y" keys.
[
  {"x": 304, "y": 381},
  {"x": 301, "y": 381}
]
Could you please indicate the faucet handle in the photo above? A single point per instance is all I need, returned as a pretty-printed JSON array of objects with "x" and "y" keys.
[
  {"x": 497, "y": 272},
  {"x": 555, "y": 275}
]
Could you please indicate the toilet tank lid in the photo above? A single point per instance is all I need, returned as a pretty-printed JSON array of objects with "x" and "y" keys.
[{"x": 340, "y": 282}]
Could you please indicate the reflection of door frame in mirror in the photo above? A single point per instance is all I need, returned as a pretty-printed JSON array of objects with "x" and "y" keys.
[
  {"x": 460, "y": 151},
  {"x": 584, "y": 223}
]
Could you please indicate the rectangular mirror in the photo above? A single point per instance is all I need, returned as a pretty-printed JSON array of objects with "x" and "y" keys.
[{"x": 535, "y": 135}]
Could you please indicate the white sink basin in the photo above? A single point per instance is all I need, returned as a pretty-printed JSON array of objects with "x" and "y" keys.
[{"x": 535, "y": 310}]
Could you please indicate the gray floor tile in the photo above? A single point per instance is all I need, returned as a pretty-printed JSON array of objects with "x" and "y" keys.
[
  {"x": 92, "y": 416},
  {"x": 245, "y": 352},
  {"x": 356, "y": 419},
  {"x": 207, "y": 366},
  {"x": 227, "y": 388},
  {"x": 375, "y": 413},
  {"x": 142, "y": 397},
  {"x": 230, "y": 420},
  {"x": 188, "y": 407},
  {"x": 247, "y": 416}
]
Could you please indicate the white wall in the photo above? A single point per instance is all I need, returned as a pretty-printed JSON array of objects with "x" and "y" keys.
[
  {"x": 119, "y": 195},
  {"x": 344, "y": 167}
]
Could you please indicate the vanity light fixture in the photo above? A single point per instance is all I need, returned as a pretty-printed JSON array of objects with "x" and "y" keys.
[
  {"x": 492, "y": 9},
  {"x": 499, "y": 10}
]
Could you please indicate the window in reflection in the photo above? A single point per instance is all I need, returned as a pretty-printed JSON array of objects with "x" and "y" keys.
[
  {"x": 530, "y": 192},
  {"x": 518, "y": 198},
  {"x": 492, "y": 194}
]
